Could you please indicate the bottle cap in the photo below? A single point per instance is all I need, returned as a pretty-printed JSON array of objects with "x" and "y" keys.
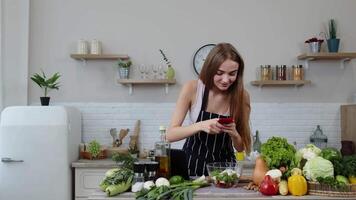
[
  {"x": 240, "y": 155},
  {"x": 162, "y": 128}
]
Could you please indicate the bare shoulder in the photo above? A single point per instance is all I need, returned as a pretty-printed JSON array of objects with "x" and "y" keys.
[
  {"x": 189, "y": 90},
  {"x": 190, "y": 87}
]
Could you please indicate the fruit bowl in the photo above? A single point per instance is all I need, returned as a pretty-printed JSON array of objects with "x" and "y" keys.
[{"x": 225, "y": 174}]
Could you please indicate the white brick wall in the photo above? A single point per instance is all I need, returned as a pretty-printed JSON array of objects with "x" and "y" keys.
[{"x": 295, "y": 121}]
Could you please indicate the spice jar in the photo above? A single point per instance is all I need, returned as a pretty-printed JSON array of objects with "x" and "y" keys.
[
  {"x": 266, "y": 72},
  {"x": 82, "y": 47},
  {"x": 95, "y": 47},
  {"x": 281, "y": 72},
  {"x": 297, "y": 72}
]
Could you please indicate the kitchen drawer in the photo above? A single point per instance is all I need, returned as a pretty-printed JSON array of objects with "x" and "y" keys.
[{"x": 87, "y": 181}]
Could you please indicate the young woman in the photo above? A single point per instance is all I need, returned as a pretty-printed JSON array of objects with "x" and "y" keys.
[{"x": 219, "y": 93}]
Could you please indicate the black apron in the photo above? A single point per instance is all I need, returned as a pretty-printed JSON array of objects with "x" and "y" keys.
[{"x": 203, "y": 148}]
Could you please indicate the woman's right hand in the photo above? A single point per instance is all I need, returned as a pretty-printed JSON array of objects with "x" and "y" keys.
[{"x": 210, "y": 126}]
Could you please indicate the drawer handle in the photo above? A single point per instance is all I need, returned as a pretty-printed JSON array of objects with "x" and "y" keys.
[{"x": 9, "y": 160}]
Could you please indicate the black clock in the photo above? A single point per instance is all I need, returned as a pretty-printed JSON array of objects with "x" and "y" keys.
[{"x": 200, "y": 56}]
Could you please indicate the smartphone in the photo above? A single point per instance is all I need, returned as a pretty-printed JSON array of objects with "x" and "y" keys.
[{"x": 226, "y": 120}]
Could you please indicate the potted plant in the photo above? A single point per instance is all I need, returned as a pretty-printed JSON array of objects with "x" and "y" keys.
[
  {"x": 134, "y": 151},
  {"x": 46, "y": 84},
  {"x": 314, "y": 44},
  {"x": 124, "y": 68},
  {"x": 333, "y": 42},
  {"x": 170, "y": 71}
]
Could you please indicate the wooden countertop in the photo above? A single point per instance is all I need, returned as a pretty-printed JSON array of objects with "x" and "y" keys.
[
  {"x": 108, "y": 163},
  {"x": 212, "y": 192},
  {"x": 104, "y": 163}
]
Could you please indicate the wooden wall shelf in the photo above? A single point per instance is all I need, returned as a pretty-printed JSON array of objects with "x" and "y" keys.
[
  {"x": 131, "y": 82},
  {"x": 280, "y": 83},
  {"x": 342, "y": 56},
  {"x": 98, "y": 57}
]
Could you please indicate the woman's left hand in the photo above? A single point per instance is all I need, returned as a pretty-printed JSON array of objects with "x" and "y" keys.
[{"x": 230, "y": 129}]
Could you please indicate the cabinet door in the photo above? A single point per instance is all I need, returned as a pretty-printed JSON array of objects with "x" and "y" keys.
[{"x": 87, "y": 181}]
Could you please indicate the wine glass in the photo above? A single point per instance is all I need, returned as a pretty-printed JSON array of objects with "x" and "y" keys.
[
  {"x": 154, "y": 71},
  {"x": 142, "y": 69}
]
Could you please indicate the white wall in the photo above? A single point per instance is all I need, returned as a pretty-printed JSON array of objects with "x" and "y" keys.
[
  {"x": 295, "y": 121},
  {"x": 265, "y": 32},
  {"x": 14, "y": 51}
]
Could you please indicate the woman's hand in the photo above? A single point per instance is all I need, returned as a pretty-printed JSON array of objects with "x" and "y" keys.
[
  {"x": 210, "y": 126},
  {"x": 230, "y": 129}
]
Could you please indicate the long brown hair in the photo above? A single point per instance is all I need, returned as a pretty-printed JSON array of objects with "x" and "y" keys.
[{"x": 239, "y": 102}]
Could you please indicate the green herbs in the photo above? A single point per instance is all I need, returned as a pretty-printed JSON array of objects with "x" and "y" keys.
[
  {"x": 332, "y": 182},
  {"x": 94, "y": 148},
  {"x": 277, "y": 152},
  {"x": 46, "y": 84},
  {"x": 182, "y": 191},
  {"x": 331, "y": 154},
  {"x": 164, "y": 57},
  {"x": 124, "y": 63},
  {"x": 127, "y": 160},
  {"x": 349, "y": 165}
]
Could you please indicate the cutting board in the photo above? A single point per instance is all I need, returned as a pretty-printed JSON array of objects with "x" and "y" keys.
[{"x": 348, "y": 122}]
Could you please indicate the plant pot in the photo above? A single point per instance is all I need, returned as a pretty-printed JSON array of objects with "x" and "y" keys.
[
  {"x": 88, "y": 156},
  {"x": 45, "y": 101},
  {"x": 124, "y": 72},
  {"x": 314, "y": 47},
  {"x": 333, "y": 45}
]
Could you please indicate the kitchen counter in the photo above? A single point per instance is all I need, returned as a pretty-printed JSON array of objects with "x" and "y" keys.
[
  {"x": 104, "y": 163},
  {"x": 108, "y": 163},
  {"x": 212, "y": 192}
]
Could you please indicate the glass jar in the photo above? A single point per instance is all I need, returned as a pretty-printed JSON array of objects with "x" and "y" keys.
[
  {"x": 266, "y": 72},
  {"x": 297, "y": 72},
  {"x": 281, "y": 72}
]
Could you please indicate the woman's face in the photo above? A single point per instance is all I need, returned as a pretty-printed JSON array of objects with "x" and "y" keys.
[{"x": 226, "y": 74}]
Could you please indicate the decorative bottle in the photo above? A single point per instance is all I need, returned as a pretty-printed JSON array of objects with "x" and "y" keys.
[
  {"x": 162, "y": 154},
  {"x": 318, "y": 138},
  {"x": 170, "y": 72},
  {"x": 257, "y": 142}
]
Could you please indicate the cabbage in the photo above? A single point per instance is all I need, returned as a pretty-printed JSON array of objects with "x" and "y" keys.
[
  {"x": 318, "y": 167},
  {"x": 308, "y": 152}
]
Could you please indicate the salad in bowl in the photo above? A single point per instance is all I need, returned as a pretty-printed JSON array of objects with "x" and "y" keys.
[{"x": 224, "y": 174}]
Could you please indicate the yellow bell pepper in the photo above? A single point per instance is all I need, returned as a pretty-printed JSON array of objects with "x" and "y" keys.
[
  {"x": 297, "y": 185},
  {"x": 352, "y": 179}
]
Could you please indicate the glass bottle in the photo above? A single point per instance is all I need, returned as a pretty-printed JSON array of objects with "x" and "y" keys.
[
  {"x": 162, "y": 154},
  {"x": 318, "y": 138},
  {"x": 257, "y": 142}
]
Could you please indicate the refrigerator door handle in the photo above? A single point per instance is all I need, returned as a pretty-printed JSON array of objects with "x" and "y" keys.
[{"x": 9, "y": 160}]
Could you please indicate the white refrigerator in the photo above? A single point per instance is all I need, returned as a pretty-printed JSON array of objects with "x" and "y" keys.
[{"x": 37, "y": 146}]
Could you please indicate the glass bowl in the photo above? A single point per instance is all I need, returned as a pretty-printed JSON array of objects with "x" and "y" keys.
[{"x": 225, "y": 174}]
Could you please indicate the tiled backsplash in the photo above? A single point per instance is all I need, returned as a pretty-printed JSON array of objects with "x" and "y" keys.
[{"x": 295, "y": 121}]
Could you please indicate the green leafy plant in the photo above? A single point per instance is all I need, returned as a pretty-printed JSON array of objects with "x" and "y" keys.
[
  {"x": 277, "y": 152},
  {"x": 165, "y": 57},
  {"x": 133, "y": 150},
  {"x": 332, "y": 29},
  {"x": 124, "y": 63},
  {"x": 126, "y": 160},
  {"x": 94, "y": 148},
  {"x": 46, "y": 83}
]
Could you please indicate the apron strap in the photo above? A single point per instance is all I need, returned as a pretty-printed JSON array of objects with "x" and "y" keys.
[{"x": 205, "y": 99}]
